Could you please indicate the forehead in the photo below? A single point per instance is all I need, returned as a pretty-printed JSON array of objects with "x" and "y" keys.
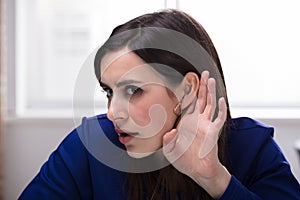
[
  {"x": 123, "y": 65},
  {"x": 111, "y": 57}
]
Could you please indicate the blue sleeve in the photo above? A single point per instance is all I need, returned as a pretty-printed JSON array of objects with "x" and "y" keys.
[
  {"x": 56, "y": 178},
  {"x": 236, "y": 190},
  {"x": 259, "y": 169},
  {"x": 273, "y": 178}
]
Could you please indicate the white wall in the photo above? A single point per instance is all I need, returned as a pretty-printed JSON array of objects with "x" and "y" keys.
[{"x": 28, "y": 143}]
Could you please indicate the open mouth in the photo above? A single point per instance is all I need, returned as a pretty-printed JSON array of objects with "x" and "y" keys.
[
  {"x": 125, "y": 137},
  {"x": 123, "y": 134}
]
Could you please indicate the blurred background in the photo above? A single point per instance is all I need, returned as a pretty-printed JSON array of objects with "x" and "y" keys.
[{"x": 47, "y": 47}]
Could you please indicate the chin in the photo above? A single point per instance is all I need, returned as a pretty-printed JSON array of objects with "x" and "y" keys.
[{"x": 139, "y": 155}]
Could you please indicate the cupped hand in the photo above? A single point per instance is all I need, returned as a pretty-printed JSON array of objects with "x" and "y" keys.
[{"x": 192, "y": 147}]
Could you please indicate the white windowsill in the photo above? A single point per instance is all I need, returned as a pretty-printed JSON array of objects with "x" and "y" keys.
[
  {"x": 292, "y": 113},
  {"x": 267, "y": 113}
]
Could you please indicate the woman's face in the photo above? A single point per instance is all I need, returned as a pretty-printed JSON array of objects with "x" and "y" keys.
[{"x": 139, "y": 104}]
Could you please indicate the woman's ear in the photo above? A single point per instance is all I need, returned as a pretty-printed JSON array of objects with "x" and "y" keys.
[{"x": 190, "y": 87}]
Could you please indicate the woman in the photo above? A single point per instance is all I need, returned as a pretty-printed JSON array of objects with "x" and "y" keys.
[{"x": 168, "y": 111}]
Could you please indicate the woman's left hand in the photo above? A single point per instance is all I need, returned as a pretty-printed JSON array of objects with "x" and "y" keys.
[{"x": 192, "y": 147}]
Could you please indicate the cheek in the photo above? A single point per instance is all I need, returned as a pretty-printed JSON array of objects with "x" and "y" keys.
[
  {"x": 139, "y": 112},
  {"x": 160, "y": 111}
]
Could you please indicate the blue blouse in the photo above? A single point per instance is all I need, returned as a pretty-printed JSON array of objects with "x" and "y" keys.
[{"x": 258, "y": 167}]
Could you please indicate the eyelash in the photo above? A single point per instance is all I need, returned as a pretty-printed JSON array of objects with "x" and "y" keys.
[{"x": 134, "y": 91}]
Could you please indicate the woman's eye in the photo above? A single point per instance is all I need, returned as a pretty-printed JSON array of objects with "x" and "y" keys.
[{"x": 132, "y": 90}]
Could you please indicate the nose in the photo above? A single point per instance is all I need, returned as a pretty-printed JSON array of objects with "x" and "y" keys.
[{"x": 117, "y": 110}]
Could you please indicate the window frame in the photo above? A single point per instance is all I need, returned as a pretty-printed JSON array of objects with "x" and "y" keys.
[{"x": 13, "y": 109}]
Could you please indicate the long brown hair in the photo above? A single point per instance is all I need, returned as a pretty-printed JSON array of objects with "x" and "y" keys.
[{"x": 142, "y": 34}]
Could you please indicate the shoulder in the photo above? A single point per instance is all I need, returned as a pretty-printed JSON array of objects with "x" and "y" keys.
[
  {"x": 89, "y": 133},
  {"x": 102, "y": 120},
  {"x": 248, "y": 125},
  {"x": 244, "y": 131},
  {"x": 97, "y": 128},
  {"x": 73, "y": 170},
  {"x": 247, "y": 141},
  {"x": 255, "y": 159},
  {"x": 248, "y": 133},
  {"x": 86, "y": 129}
]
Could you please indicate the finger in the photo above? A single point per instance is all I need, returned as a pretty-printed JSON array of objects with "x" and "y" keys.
[
  {"x": 209, "y": 110},
  {"x": 202, "y": 92},
  {"x": 169, "y": 141},
  {"x": 211, "y": 139},
  {"x": 222, "y": 115}
]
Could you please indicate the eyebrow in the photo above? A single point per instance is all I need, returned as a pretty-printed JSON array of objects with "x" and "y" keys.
[
  {"x": 121, "y": 83},
  {"x": 127, "y": 82}
]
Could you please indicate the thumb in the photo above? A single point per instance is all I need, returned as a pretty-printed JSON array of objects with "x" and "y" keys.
[{"x": 169, "y": 140}]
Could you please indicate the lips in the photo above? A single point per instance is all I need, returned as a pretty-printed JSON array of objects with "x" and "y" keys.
[
  {"x": 123, "y": 133},
  {"x": 125, "y": 136}
]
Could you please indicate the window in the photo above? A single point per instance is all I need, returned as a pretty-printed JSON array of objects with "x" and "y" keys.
[
  {"x": 257, "y": 42},
  {"x": 54, "y": 39}
]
